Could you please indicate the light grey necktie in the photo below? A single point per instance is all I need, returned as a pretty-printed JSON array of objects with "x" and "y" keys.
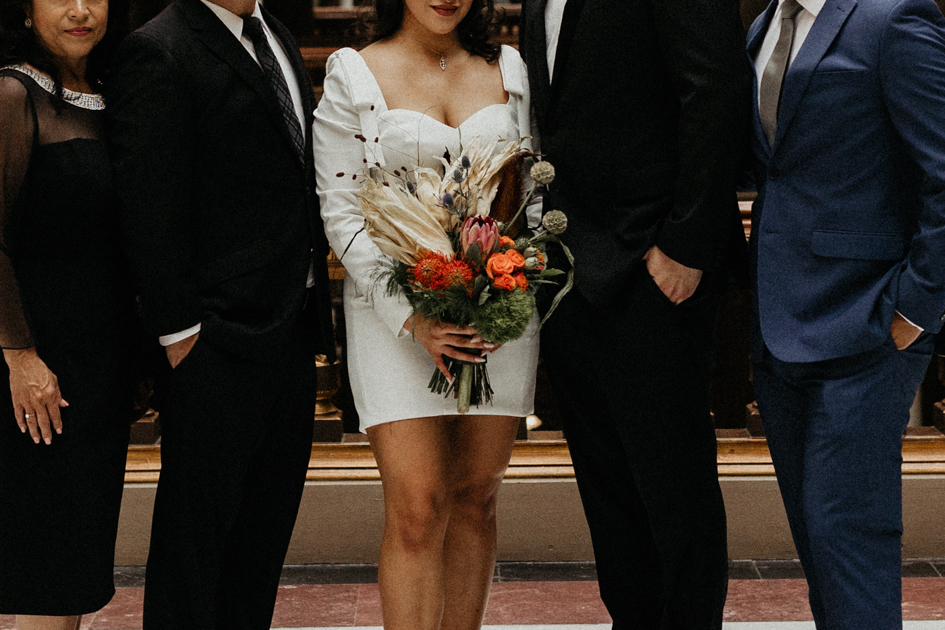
[{"x": 769, "y": 96}]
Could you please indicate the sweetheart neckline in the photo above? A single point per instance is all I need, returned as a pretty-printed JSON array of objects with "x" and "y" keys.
[
  {"x": 440, "y": 122},
  {"x": 424, "y": 114}
]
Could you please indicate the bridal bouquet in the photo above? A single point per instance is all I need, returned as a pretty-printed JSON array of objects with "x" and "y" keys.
[{"x": 453, "y": 261}]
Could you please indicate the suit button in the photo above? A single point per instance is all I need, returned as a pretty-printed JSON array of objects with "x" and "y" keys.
[
  {"x": 774, "y": 172},
  {"x": 942, "y": 318}
]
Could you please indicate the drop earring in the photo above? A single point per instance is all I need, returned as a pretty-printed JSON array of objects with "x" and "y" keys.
[{"x": 28, "y": 23}]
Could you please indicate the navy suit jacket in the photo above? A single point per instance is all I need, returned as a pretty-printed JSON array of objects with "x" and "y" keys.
[{"x": 849, "y": 224}]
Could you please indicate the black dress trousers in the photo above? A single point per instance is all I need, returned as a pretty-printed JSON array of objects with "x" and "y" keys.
[
  {"x": 633, "y": 384},
  {"x": 236, "y": 442}
]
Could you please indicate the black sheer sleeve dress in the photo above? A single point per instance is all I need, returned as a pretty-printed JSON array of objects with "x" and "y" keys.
[{"x": 64, "y": 291}]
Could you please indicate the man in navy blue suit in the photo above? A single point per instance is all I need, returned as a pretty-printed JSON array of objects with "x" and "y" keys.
[{"x": 848, "y": 264}]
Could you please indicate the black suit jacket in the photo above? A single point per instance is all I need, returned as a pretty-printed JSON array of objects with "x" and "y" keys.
[
  {"x": 648, "y": 105},
  {"x": 219, "y": 213}
]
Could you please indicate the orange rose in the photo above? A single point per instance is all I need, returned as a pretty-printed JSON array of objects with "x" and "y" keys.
[
  {"x": 505, "y": 281},
  {"x": 505, "y": 240},
  {"x": 517, "y": 259},
  {"x": 499, "y": 264},
  {"x": 521, "y": 280}
]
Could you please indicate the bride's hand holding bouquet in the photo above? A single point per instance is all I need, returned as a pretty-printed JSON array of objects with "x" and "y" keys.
[{"x": 443, "y": 340}]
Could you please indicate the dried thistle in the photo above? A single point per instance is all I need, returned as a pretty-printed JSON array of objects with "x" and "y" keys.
[
  {"x": 542, "y": 172},
  {"x": 555, "y": 222}
]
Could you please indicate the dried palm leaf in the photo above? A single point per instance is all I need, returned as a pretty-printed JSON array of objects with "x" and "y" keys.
[{"x": 400, "y": 224}]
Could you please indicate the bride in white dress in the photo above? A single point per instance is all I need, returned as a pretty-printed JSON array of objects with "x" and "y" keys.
[{"x": 429, "y": 83}]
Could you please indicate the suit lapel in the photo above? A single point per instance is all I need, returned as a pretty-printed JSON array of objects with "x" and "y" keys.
[
  {"x": 535, "y": 54},
  {"x": 756, "y": 35},
  {"x": 569, "y": 22},
  {"x": 211, "y": 31},
  {"x": 758, "y": 30},
  {"x": 825, "y": 29}
]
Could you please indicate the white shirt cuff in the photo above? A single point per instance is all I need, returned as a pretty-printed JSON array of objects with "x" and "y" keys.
[{"x": 167, "y": 340}]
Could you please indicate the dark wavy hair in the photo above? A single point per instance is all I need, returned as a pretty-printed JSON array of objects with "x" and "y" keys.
[
  {"x": 475, "y": 31},
  {"x": 19, "y": 44}
]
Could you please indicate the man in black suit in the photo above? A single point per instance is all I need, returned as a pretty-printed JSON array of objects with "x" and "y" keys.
[
  {"x": 210, "y": 118},
  {"x": 640, "y": 106}
]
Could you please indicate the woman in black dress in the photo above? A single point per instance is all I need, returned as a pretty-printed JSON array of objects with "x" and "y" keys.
[{"x": 66, "y": 317}]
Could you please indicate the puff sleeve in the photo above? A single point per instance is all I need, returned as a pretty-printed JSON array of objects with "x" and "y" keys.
[{"x": 345, "y": 111}]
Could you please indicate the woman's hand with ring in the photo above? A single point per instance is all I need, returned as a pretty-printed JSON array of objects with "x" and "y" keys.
[{"x": 36, "y": 396}]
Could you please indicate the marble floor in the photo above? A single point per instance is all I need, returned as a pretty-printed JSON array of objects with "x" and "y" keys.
[{"x": 763, "y": 595}]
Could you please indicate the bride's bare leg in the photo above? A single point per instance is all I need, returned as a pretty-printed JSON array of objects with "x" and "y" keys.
[
  {"x": 480, "y": 448},
  {"x": 412, "y": 459},
  {"x": 34, "y": 622}
]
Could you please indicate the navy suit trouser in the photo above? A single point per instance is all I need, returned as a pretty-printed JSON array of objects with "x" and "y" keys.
[{"x": 835, "y": 430}]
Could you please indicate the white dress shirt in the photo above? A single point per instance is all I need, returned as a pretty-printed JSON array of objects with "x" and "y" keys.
[
  {"x": 554, "y": 14},
  {"x": 234, "y": 24}
]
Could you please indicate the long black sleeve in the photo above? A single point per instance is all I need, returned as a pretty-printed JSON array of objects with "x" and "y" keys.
[
  {"x": 150, "y": 133},
  {"x": 17, "y": 127},
  {"x": 703, "y": 44}
]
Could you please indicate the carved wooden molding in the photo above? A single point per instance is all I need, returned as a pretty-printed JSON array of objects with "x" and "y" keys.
[{"x": 923, "y": 453}]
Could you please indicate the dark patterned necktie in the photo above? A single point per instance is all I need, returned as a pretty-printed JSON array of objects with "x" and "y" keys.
[
  {"x": 253, "y": 28},
  {"x": 769, "y": 97}
]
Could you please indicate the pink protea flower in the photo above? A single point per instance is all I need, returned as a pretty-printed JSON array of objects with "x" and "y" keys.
[{"x": 478, "y": 237}]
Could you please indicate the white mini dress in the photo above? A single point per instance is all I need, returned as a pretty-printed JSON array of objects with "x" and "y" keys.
[{"x": 388, "y": 370}]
